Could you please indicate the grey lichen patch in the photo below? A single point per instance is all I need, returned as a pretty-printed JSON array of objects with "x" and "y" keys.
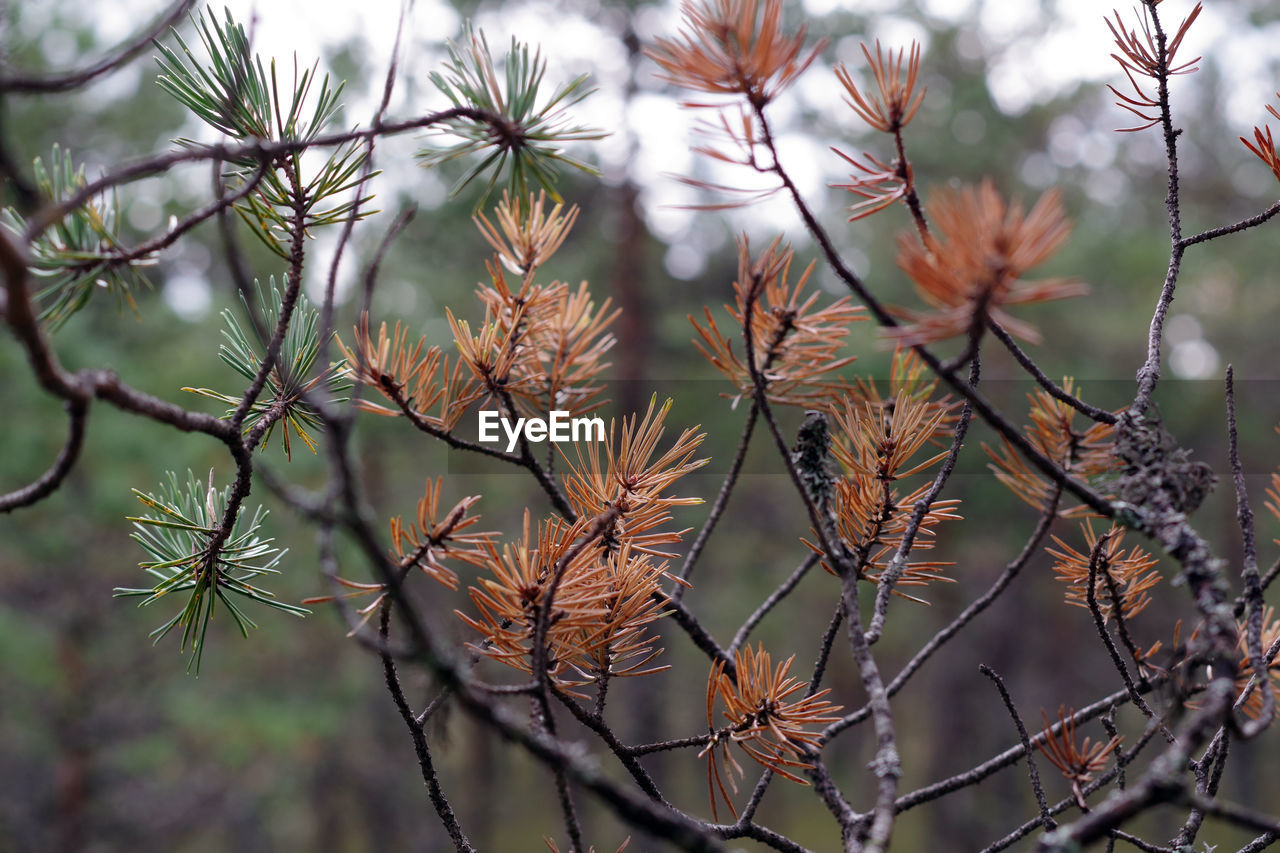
[{"x": 1156, "y": 473}]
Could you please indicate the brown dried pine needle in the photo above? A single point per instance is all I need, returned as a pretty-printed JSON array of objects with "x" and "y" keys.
[
  {"x": 1077, "y": 763},
  {"x": 526, "y": 235},
  {"x": 973, "y": 268},
  {"x": 896, "y": 101},
  {"x": 422, "y": 380},
  {"x": 761, "y": 719},
  {"x": 1140, "y": 55},
  {"x": 632, "y": 478},
  {"x": 733, "y": 47},
  {"x": 1083, "y": 453},
  {"x": 1132, "y": 573},
  {"x": 797, "y": 345}
]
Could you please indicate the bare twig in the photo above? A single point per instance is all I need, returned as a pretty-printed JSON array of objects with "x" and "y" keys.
[
  {"x": 418, "y": 733},
  {"x": 898, "y": 563},
  {"x": 782, "y": 591},
  {"x": 50, "y": 480},
  {"x": 1096, "y": 563},
  {"x": 32, "y": 84},
  {"x": 1051, "y": 387},
  {"x": 1234, "y": 228},
  {"x": 943, "y": 636},
  {"x": 721, "y": 501},
  {"x": 1149, "y": 373},
  {"x": 1045, "y": 818},
  {"x": 1248, "y": 571}
]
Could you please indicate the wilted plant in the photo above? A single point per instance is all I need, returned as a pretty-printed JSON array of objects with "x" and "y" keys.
[
  {"x": 592, "y": 587},
  {"x": 1078, "y": 761}
]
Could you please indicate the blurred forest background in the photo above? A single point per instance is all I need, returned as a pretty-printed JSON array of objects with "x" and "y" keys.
[{"x": 288, "y": 741}]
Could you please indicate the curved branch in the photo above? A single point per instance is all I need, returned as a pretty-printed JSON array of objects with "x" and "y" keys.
[
  {"x": 1100, "y": 623},
  {"x": 77, "y": 417},
  {"x": 419, "y": 736},
  {"x": 258, "y": 149},
  {"x": 35, "y": 84},
  {"x": 1149, "y": 373},
  {"x": 1045, "y": 818},
  {"x": 775, "y": 597},
  {"x": 1051, "y": 387},
  {"x": 1249, "y": 570}
]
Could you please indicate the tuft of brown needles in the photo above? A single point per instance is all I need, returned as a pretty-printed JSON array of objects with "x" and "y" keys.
[
  {"x": 1077, "y": 763},
  {"x": 1141, "y": 55},
  {"x": 973, "y": 268},
  {"x": 733, "y": 47},
  {"x": 761, "y": 719}
]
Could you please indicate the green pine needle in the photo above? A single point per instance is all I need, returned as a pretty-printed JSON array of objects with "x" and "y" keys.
[
  {"x": 178, "y": 537},
  {"x": 293, "y": 376},
  {"x": 80, "y": 253},
  {"x": 240, "y": 97},
  {"x": 532, "y": 153}
]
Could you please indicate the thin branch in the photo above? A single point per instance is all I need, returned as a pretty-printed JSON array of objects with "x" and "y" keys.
[
  {"x": 1207, "y": 781},
  {"x": 1045, "y": 818},
  {"x": 1091, "y": 598},
  {"x": 32, "y": 84},
  {"x": 542, "y": 618},
  {"x": 683, "y": 616},
  {"x": 1249, "y": 570},
  {"x": 418, "y": 734},
  {"x": 217, "y": 206},
  {"x": 1235, "y": 814},
  {"x": 1242, "y": 225},
  {"x": 1262, "y": 842},
  {"x": 258, "y": 150},
  {"x": 1004, "y": 759},
  {"x": 1122, "y": 625},
  {"x": 886, "y": 764},
  {"x": 979, "y": 604},
  {"x": 757, "y": 795},
  {"x": 1050, "y": 387},
  {"x": 824, "y": 649},
  {"x": 529, "y": 461},
  {"x": 625, "y": 754},
  {"x": 721, "y": 501},
  {"x": 50, "y": 480},
  {"x": 782, "y": 591},
  {"x": 1137, "y": 842},
  {"x": 764, "y": 835},
  {"x": 1149, "y": 373},
  {"x": 902, "y": 169},
  {"x": 898, "y": 564},
  {"x": 297, "y": 256},
  {"x": 668, "y": 745}
]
